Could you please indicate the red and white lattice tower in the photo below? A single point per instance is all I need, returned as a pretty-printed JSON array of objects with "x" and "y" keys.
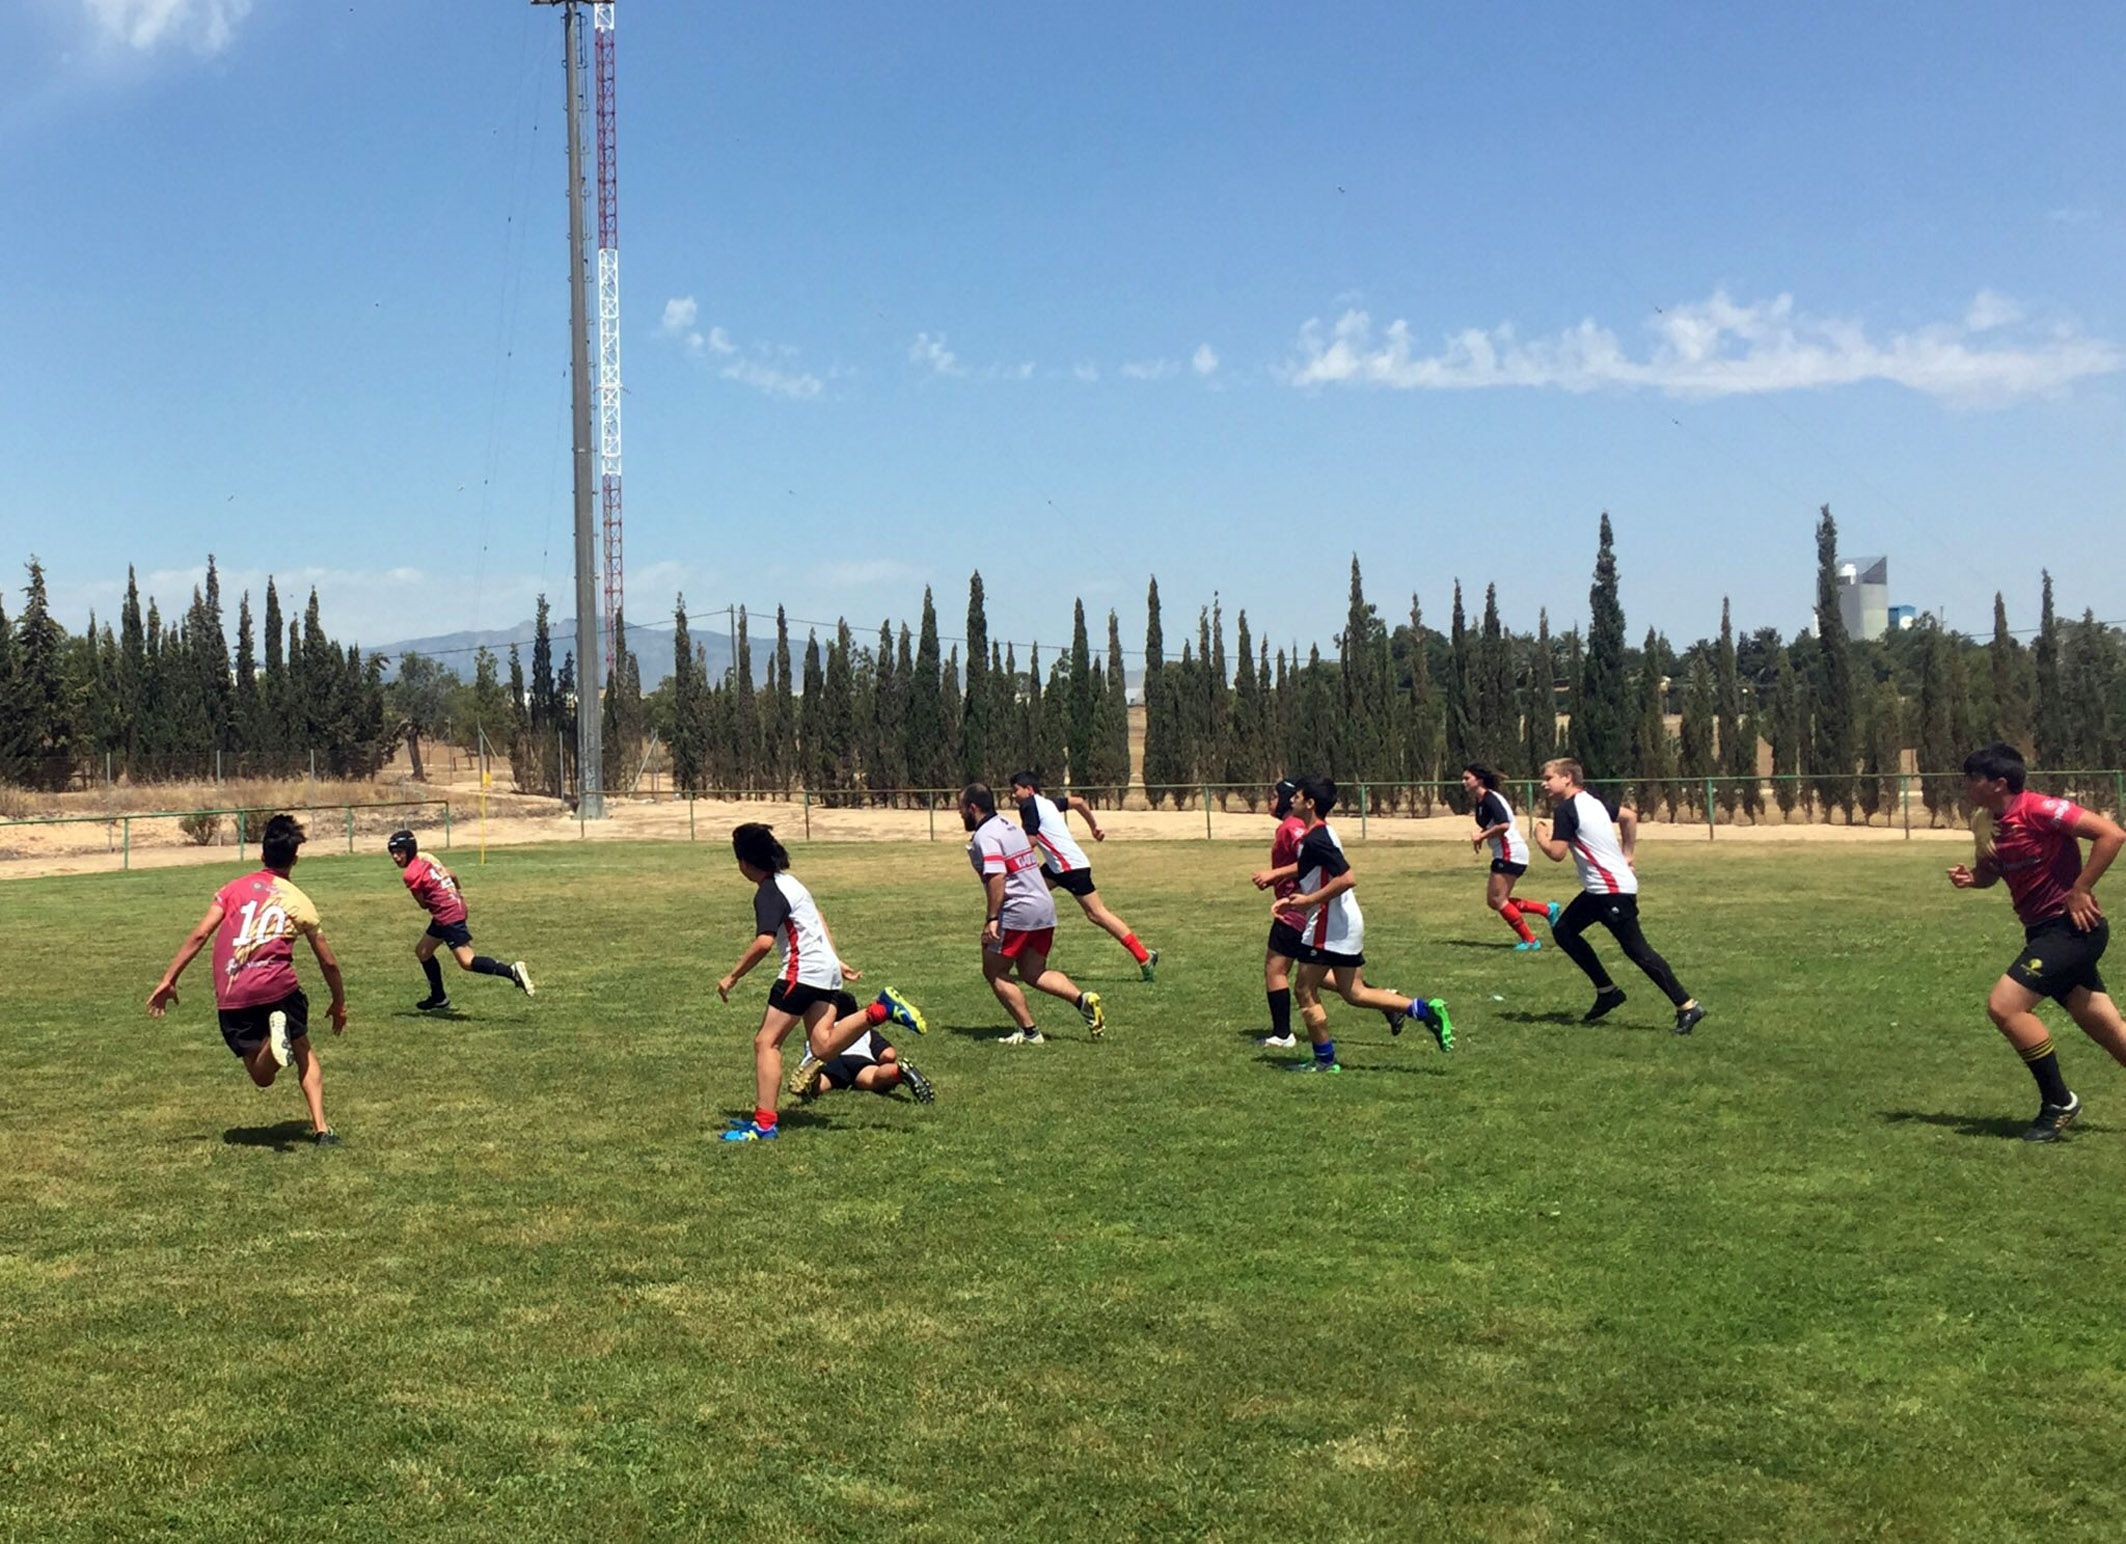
[{"x": 608, "y": 320}]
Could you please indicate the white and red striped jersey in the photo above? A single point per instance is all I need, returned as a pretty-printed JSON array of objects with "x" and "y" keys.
[
  {"x": 999, "y": 847},
  {"x": 784, "y": 910},
  {"x": 1583, "y": 824},
  {"x": 1050, "y": 831},
  {"x": 1336, "y": 925},
  {"x": 1509, "y": 846}
]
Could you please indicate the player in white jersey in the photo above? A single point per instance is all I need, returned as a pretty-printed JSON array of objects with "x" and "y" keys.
[
  {"x": 1064, "y": 864},
  {"x": 1580, "y": 825},
  {"x": 809, "y": 974},
  {"x": 1020, "y": 925},
  {"x": 1333, "y": 937},
  {"x": 1509, "y": 854}
]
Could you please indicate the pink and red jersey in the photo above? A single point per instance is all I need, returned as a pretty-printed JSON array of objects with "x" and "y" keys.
[
  {"x": 2035, "y": 849},
  {"x": 999, "y": 847},
  {"x": 1284, "y": 850},
  {"x": 436, "y": 888},
  {"x": 254, "y": 947}
]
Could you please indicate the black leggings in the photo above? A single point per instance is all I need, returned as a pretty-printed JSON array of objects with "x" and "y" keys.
[{"x": 1620, "y": 914}]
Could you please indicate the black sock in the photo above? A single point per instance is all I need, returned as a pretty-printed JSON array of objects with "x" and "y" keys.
[
  {"x": 2044, "y": 1065},
  {"x": 435, "y": 976},
  {"x": 1281, "y": 1013},
  {"x": 488, "y": 965}
]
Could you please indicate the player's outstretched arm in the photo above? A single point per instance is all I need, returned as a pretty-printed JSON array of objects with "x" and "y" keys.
[
  {"x": 1551, "y": 847},
  {"x": 328, "y": 966},
  {"x": 2105, "y": 837},
  {"x": 1628, "y": 834},
  {"x": 165, "y": 994},
  {"x": 1262, "y": 879},
  {"x": 1075, "y": 805},
  {"x": 756, "y": 951}
]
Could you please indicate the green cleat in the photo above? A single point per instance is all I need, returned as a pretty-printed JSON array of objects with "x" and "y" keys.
[
  {"x": 1150, "y": 968},
  {"x": 1442, "y": 1026}
]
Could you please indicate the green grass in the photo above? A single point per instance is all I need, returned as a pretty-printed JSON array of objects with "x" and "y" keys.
[{"x": 1788, "y": 1278}]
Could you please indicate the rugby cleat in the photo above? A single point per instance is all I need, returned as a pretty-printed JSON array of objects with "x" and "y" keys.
[
  {"x": 1528, "y": 947},
  {"x": 803, "y": 1081},
  {"x": 2054, "y": 1119},
  {"x": 1688, "y": 1017},
  {"x": 1554, "y": 909},
  {"x": 1314, "y": 1064},
  {"x": 521, "y": 974},
  {"x": 434, "y": 1003},
  {"x": 1149, "y": 970},
  {"x": 752, "y": 1131},
  {"x": 1095, "y": 1016},
  {"x": 1603, "y": 1003},
  {"x": 277, "y": 1040},
  {"x": 1442, "y": 1026},
  {"x": 903, "y": 1012},
  {"x": 1024, "y": 1037},
  {"x": 1279, "y": 1042},
  {"x": 1395, "y": 1018},
  {"x": 326, "y": 1138},
  {"x": 918, "y": 1085}
]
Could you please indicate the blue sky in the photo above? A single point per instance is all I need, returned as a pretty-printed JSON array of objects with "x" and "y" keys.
[{"x": 1075, "y": 296}]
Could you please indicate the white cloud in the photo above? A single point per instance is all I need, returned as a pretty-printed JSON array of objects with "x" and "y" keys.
[
  {"x": 1204, "y": 361},
  {"x": 1710, "y": 348},
  {"x": 755, "y": 367},
  {"x": 797, "y": 385},
  {"x": 1991, "y": 309},
  {"x": 930, "y": 352},
  {"x": 1149, "y": 369},
  {"x": 2072, "y": 214},
  {"x": 205, "y": 26},
  {"x": 680, "y": 315},
  {"x": 1086, "y": 371}
]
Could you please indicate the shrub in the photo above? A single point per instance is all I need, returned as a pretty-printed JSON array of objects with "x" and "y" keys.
[{"x": 200, "y": 827}]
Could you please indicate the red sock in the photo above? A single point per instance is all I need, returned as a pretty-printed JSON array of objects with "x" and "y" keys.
[
  {"x": 764, "y": 1118},
  {"x": 875, "y": 1013},
  {"x": 1137, "y": 951},
  {"x": 1532, "y": 908},
  {"x": 1513, "y": 920}
]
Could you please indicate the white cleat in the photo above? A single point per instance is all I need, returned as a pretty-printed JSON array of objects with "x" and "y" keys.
[
  {"x": 521, "y": 974},
  {"x": 1281, "y": 1042},
  {"x": 277, "y": 1038},
  {"x": 1024, "y": 1037}
]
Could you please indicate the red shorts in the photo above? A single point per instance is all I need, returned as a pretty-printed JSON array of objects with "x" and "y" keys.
[{"x": 1038, "y": 940}]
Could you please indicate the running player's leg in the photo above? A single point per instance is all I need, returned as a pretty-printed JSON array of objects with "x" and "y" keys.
[
  {"x": 312, "y": 1075},
  {"x": 2099, "y": 1018},
  {"x": 482, "y": 964},
  {"x": 775, "y": 1026},
  {"x": 2013, "y": 1008},
  {"x": 1569, "y": 930},
  {"x": 259, "y": 1063},
  {"x": 996, "y": 970},
  {"x": 425, "y": 951},
  {"x": 1498, "y": 895},
  {"x": 1034, "y": 971},
  {"x": 1277, "y": 987},
  {"x": 1096, "y": 911},
  {"x": 1306, "y": 991},
  {"x": 842, "y": 1027},
  {"x": 1349, "y": 982},
  {"x": 1621, "y": 917}
]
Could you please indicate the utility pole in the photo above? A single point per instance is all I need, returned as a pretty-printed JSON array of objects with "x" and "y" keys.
[{"x": 590, "y": 665}]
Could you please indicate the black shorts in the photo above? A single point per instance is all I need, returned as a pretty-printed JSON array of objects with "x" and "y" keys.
[
  {"x": 243, "y": 1030},
  {"x": 842, "y": 1070},
  {"x": 1078, "y": 882},
  {"x": 1309, "y": 955},
  {"x": 1285, "y": 940},
  {"x": 2057, "y": 958},
  {"x": 1501, "y": 866},
  {"x": 457, "y": 934},
  {"x": 796, "y": 999}
]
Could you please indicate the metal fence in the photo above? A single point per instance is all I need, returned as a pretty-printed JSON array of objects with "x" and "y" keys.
[{"x": 223, "y": 827}]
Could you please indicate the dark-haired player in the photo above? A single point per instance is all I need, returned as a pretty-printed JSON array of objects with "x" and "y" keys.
[
  {"x": 265, "y": 1018},
  {"x": 1064, "y": 864},
  {"x": 1609, "y": 891},
  {"x": 1285, "y": 945},
  {"x": 1020, "y": 926},
  {"x": 869, "y": 1063},
  {"x": 2035, "y": 845},
  {"x": 1333, "y": 937},
  {"x": 808, "y": 981},
  {"x": 435, "y": 889},
  {"x": 1509, "y": 855}
]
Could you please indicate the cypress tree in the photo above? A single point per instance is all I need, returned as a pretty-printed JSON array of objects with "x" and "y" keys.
[
  {"x": 211, "y": 659},
  {"x": 518, "y": 737},
  {"x": 687, "y": 715},
  {"x": 1602, "y": 730},
  {"x": 2011, "y": 702},
  {"x": 1652, "y": 749},
  {"x": 1082, "y": 692},
  {"x": 778, "y": 719},
  {"x": 1053, "y": 746},
  {"x": 1499, "y": 730},
  {"x": 745, "y": 712},
  {"x": 1218, "y": 697},
  {"x": 2090, "y": 676},
  {"x": 1244, "y": 761},
  {"x": 928, "y": 751},
  {"x": 1836, "y": 741},
  {"x": 815, "y": 766},
  {"x": 1115, "y": 767},
  {"x": 1738, "y": 761},
  {"x": 1158, "y": 731},
  {"x": 41, "y": 706},
  {"x": 1426, "y": 723},
  {"x": 1698, "y": 759},
  {"x": 1463, "y": 731},
  {"x": 243, "y": 702},
  {"x": 888, "y": 770},
  {"x": 1787, "y": 729},
  {"x": 545, "y": 708},
  {"x": 838, "y": 714},
  {"x": 976, "y": 734},
  {"x": 1575, "y": 672},
  {"x": 565, "y": 721},
  {"x": 1937, "y": 749},
  {"x": 133, "y": 657},
  {"x": 1033, "y": 731},
  {"x": 2053, "y": 725},
  {"x": 1539, "y": 711},
  {"x": 949, "y": 709},
  {"x": 1181, "y": 693}
]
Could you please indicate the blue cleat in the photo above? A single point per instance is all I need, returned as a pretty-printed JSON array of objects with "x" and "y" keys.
[
  {"x": 1529, "y": 947},
  {"x": 1555, "y": 908},
  {"x": 752, "y": 1131},
  {"x": 903, "y": 1012}
]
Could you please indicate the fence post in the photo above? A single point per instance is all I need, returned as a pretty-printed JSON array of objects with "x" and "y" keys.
[
  {"x": 128, "y": 860},
  {"x": 808, "y": 813},
  {"x": 239, "y": 836},
  {"x": 1206, "y": 811},
  {"x": 690, "y": 814},
  {"x": 106, "y": 769},
  {"x": 930, "y": 803},
  {"x": 1363, "y": 804},
  {"x": 2118, "y": 794},
  {"x": 1709, "y": 809},
  {"x": 350, "y": 830},
  {"x": 311, "y": 796},
  {"x": 446, "y": 825},
  {"x": 1904, "y": 802}
]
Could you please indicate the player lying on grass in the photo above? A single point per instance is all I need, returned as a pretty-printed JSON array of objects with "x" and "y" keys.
[
  {"x": 808, "y": 979},
  {"x": 265, "y": 1018},
  {"x": 869, "y": 1062},
  {"x": 1285, "y": 946},
  {"x": 1063, "y": 862},
  {"x": 1020, "y": 926},
  {"x": 1609, "y": 891},
  {"x": 1333, "y": 937},
  {"x": 2034, "y": 843},
  {"x": 435, "y": 889},
  {"x": 1509, "y": 855}
]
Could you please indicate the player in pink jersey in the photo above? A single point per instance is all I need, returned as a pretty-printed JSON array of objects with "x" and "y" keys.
[
  {"x": 265, "y": 1018},
  {"x": 2034, "y": 843},
  {"x": 1285, "y": 944},
  {"x": 435, "y": 889}
]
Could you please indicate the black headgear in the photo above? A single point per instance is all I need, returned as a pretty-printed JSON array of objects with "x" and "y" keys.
[{"x": 402, "y": 841}]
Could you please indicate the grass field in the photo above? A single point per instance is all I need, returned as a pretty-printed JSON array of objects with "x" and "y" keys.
[{"x": 1789, "y": 1278}]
